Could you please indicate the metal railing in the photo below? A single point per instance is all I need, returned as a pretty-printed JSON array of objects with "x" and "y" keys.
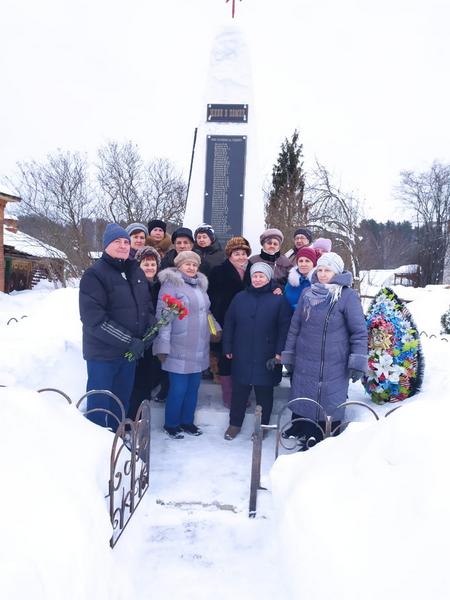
[
  {"x": 323, "y": 426},
  {"x": 129, "y": 465}
]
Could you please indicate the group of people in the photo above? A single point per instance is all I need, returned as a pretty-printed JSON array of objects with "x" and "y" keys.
[{"x": 248, "y": 314}]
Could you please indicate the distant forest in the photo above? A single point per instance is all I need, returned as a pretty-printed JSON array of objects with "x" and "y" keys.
[{"x": 387, "y": 245}]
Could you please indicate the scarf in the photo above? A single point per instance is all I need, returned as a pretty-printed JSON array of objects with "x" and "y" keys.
[
  {"x": 319, "y": 293},
  {"x": 269, "y": 257},
  {"x": 189, "y": 280}
]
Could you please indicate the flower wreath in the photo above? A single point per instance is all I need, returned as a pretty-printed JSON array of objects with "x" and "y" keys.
[{"x": 395, "y": 353}]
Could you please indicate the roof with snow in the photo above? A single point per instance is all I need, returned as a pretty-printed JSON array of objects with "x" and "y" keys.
[
  {"x": 9, "y": 194},
  {"x": 23, "y": 242}
]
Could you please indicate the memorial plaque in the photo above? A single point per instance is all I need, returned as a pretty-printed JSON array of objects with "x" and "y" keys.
[
  {"x": 227, "y": 113},
  {"x": 224, "y": 184}
]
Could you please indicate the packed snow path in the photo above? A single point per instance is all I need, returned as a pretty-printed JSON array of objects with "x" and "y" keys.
[{"x": 191, "y": 536}]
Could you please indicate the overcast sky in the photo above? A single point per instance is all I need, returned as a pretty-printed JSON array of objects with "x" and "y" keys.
[{"x": 365, "y": 82}]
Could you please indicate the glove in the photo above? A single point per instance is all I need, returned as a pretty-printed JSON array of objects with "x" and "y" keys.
[
  {"x": 137, "y": 348},
  {"x": 272, "y": 363},
  {"x": 162, "y": 357},
  {"x": 355, "y": 374}
]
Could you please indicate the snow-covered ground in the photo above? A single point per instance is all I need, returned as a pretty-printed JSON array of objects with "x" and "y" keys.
[{"x": 365, "y": 515}]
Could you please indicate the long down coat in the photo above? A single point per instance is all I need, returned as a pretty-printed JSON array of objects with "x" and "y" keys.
[
  {"x": 322, "y": 345},
  {"x": 256, "y": 326},
  {"x": 185, "y": 342}
]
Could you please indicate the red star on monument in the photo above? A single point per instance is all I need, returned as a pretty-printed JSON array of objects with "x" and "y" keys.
[{"x": 233, "y": 6}]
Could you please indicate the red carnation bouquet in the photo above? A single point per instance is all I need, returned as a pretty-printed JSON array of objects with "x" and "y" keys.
[{"x": 173, "y": 309}]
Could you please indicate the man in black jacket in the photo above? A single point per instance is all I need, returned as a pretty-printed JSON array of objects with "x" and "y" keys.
[
  {"x": 116, "y": 311},
  {"x": 182, "y": 240}
]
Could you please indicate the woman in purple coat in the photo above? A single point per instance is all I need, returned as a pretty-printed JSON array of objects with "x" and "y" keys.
[{"x": 326, "y": 343}]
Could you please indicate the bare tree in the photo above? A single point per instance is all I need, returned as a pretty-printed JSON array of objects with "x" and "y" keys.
[
  {"x": 165, "y": 192},
  {"x": 427, "y": 195},
  {"x": 134, "y": 191},
  {"x": 120, "y": 177},
  {"x": 57, "y": 193},
  {"x": 336, "y": 213}
]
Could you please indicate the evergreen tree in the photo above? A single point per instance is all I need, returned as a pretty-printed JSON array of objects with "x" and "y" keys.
[{"x": 286, "y": 207}]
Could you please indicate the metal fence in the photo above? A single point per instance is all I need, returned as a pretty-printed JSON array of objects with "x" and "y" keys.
[
  {"x": 129, "y": 466},
  {"x": 323, "y": 427}
]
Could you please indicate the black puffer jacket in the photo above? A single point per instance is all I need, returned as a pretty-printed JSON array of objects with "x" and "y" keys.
[
  {"x": 115, "y": 306},
  {"x": 212, "y": 256}
]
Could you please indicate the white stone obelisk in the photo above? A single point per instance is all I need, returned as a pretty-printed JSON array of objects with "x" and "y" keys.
[{"x": 229, "y": 82}]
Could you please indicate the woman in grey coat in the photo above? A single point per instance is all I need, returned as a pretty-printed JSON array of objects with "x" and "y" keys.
[
  {"x": 326, "y": 343},
  {"x": 183, "y": 346}
]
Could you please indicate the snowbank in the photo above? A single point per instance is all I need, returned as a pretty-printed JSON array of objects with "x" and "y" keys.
[
  {"x": 43, "y": 347},
  {"x": 55, "y": 519},
  {"x": 366, "y": 515}
]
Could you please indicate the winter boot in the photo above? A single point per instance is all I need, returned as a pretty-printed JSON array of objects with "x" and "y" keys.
[
  {"x": 231, "y": 432},
  {"x": 174, "y": 432},
  {"x": 227, "y": 388},
  {"x": 191, "y": 429}
]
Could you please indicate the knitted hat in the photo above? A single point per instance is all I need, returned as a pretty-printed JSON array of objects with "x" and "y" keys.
[
  {"x": 205, "y": 228},
  {"x": 331, "y": 260},
  {"x": 323, "y": 244},
  {"x": 271, "y": 233},
  {"x": 307, "y": 252},
  {"x": 182, "y": 232},
  {"x": 303, "y": 231},
  {"x": 237, "y": 243},
  {"x": 148, "y": 252},
  {"x": 133, "y": 227},
  {"x": 185, "y": 256},
  {"x": 113, "y": 232},
  {"x": 156, "y": 223},
  {"x": 262, "y": 267}
]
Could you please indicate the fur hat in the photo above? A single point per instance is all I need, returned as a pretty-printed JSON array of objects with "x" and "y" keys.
[
  {"x": 333, "y": 261},
  {"x": 205, "y": 228},
  {"x": 182, "y": 232},
  {"x": 113, "y": 232},
  {"x": 237, "y": 243},
  {"x": 148, "y": 252},
  {"x": 156, "y": 223},
  {"x": 323, "y": 244},
  {"x": 271, "y": 233},
  {"x": 307, "y": 252},
  {"x": 133, "y": 227},
  {"x": 262, "y": 267},
  {"x": 185, "y": 256},
  {"x": 303, "y": 231}
]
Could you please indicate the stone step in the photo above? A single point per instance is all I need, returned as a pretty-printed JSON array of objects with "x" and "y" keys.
[{"x": 210, "y": 408}]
